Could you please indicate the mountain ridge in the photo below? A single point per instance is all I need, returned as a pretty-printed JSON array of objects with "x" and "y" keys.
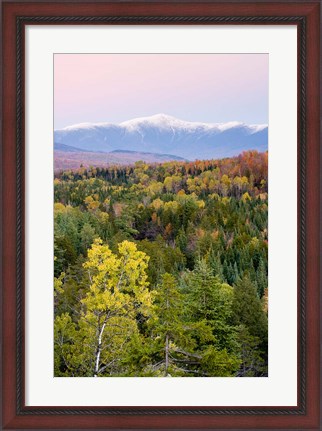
[{"x": 164, "y": 134}]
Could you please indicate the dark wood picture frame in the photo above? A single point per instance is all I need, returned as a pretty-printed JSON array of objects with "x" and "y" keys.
[{"x": 306, "y": 16}]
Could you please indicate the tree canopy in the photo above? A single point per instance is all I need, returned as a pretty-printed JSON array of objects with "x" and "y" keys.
[{"x": 161, "y": 269}]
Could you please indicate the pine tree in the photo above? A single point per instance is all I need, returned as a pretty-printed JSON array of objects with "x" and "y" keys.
[
  {"x": 261, "y": 277},
  {"x": 167, "y": 325},
  {"x": 174, "y": 336},
  {"x": 248, "y": 311},
  {"x": 252, "y": 362},
  {"x": 215, "y": 264},
  {"x": 210, "y": 300},
  {"x": 87, "y": 236}
]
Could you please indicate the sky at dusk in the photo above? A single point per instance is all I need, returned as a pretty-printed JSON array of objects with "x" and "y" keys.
[{"x": 211, "y": 88}]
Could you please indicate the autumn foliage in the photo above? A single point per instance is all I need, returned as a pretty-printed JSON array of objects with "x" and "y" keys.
[{"x": 161, "y": 269}]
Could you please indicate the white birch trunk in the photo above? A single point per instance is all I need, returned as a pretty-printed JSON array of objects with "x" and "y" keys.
[{"x": 98, "y": 350}]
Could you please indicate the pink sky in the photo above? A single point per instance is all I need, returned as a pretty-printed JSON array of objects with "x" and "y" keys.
[{"x": 194, "y": 87}]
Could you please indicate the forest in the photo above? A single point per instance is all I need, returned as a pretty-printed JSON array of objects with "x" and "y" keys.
[{"x": 161, "y": 270}]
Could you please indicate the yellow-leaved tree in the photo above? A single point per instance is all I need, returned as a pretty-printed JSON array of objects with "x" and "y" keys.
[{"x": 117, "y": 294}]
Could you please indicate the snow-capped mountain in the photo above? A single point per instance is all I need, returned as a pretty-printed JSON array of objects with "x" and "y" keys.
[{"x": 165, "y": 134}]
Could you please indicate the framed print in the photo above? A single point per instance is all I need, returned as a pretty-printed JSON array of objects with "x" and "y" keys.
[{"x": 160, "y": 216}]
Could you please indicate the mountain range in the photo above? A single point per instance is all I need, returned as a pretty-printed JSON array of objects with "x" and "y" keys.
[{"x": 163, "y": 135}]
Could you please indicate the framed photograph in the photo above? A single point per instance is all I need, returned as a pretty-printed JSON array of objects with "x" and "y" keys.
[{"x": 161, "y": 215}]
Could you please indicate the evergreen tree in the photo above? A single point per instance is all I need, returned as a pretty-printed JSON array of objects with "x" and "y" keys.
[
  {"x": 248, "y": 311},
  {"x": 173, "y": 335},
  {"x": 261, "y": 277},
  {"x": 210, "y": 300},
  {"x": 252, "y": 362},
  {"x": 215, "y": 264}
]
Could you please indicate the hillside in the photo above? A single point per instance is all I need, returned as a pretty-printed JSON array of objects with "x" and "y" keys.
[
  {"x": 161, "y": 270},
  {"x": 67, "y": 157}
]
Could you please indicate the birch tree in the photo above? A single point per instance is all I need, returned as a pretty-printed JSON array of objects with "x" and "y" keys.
[{"x": 117, "y": 293}]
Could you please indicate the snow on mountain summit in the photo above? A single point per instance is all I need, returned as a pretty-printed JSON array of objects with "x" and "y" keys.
[
  {"x": 163, "y": 121},
  {"x": 85, "y": 126},
  {"x": 163, "y": 133},
  {"x": 167, "y": 121}
]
